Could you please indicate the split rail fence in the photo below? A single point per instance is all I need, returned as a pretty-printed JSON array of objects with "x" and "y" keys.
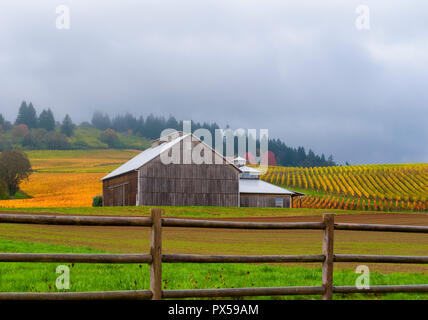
[{"x": 156, "y": 258}]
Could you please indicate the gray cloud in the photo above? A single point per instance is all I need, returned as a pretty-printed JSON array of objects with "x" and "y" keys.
[{"x": 300, "y": 69}]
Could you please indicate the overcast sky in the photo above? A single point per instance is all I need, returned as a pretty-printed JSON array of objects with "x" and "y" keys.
[{"x": 298, "y": 68}]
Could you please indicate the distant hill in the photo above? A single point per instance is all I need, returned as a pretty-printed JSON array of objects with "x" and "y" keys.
[{"x": 364, "y": 187}]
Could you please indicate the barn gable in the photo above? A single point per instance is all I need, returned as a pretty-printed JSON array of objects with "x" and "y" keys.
[{"x": 183, "y": 181}]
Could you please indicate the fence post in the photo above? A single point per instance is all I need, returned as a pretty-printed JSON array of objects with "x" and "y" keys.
[
  {"x": 156, "y": 252},
  {"x": 327, "y": 250}
]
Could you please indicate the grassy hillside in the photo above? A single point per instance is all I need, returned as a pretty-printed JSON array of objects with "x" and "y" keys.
[
  {"x": 89, "y": 137},
  {"x": 364, "y": 187},
  {"x": 83, "y": 137}
]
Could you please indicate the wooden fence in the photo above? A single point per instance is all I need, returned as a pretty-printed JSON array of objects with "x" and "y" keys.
[{"x": 155, "y": 258}]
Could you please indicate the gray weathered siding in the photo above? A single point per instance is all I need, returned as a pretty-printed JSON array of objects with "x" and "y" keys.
[
  {"x": 263, "y": 200},
  {"x": 120, "y": 190},
  {"x": 189, "y": 184}
]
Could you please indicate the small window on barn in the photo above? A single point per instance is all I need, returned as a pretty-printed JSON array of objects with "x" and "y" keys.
[{"x": 279, "y": 202}]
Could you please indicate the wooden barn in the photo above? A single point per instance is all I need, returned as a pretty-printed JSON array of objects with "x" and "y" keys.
[{"x": 148, "y": 180}]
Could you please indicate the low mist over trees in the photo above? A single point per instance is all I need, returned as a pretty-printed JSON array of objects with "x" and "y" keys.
[{"x": 122, "y": 131}]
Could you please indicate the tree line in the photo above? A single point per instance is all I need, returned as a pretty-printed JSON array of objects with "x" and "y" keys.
[
  {"x": 35, "y": 131},
  {"x": 42, "y": 131},
  {"x": 152, "y": 126}
]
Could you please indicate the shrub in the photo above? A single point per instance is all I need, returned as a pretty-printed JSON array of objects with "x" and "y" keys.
[
  {"x": 110, "y": 137},
  {"x": 14, "y": 167},
  {"x": 19, "y": 132},
  {"x": 56, "y": 141},
  {"x": 35, "y": 139},
  {"x": 97, "y": 201}
]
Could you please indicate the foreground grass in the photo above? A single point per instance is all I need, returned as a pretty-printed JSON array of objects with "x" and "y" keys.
[
  {"x": 41, "y": 277},
  {"x": 193, "y": 211}
]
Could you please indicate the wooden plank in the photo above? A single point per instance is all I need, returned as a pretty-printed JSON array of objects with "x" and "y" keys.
[
  {"x": 418, "y": 288},
  {"x": 79, "y": 258},
  {"x": 190, "y": 223},
  {"x": 242, "y": 292},
  {"x": 75, "y": 220},
  {"x": 156, "y": 252},
  {"x": 380, "y": 258},
  {"x": 328, "y": 252},
  {"x": 381, "y": 227},
  {"x": 90, "y": 295},
  {"x": 192, "y": 258}
]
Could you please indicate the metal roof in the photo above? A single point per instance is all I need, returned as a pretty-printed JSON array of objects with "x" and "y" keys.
[
  {"x": 144, "y": 157},
  {"x": 260, "y": 186}
]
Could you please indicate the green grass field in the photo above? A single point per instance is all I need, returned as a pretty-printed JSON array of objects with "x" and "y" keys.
[{"x": 41, "y": 277}]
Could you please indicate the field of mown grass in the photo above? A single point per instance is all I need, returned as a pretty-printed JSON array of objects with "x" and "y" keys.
[{"x": 41, "y": 277}]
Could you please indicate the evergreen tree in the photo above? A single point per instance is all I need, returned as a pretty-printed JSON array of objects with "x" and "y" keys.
[
  {"x": 47, "y": 120},
  {"x": 27, "y": 115},
  {"x": 31, "y": 117},
  {"x": 22, "y": 114},
  {"x": 67, "y": 126}
]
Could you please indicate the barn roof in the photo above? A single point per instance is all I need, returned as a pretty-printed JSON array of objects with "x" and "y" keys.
[
  {"x": 143, "y": 158},
  {"x": 260, "y": 186},
  {"x": 151, "y": 153}
]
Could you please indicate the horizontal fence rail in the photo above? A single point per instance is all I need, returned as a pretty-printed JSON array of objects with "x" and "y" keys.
[
  {"x": 421, "y": 288},
  {"x": 187, "y": 223},
  {"x": 93, "y": 295},
  {"x": 242, "y": 292},
  {"x": 155, "y": 258},
  {"x": 193, "y": 258},
  {"x": 76, "y": 220},
  {"x": 72, "y": 257},
  {"x": 380, "y": 227},
  {"x": 380, "y": 258}
]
